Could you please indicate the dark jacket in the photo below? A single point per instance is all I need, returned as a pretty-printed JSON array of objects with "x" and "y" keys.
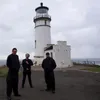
[
  {"x": 48, "y": 64},
  {"x": 13, "y": 62},
  {"x": 27, "y": 66}
]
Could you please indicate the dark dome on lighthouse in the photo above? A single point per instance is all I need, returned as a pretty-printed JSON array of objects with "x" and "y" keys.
[{"x": 41, "y": 7}]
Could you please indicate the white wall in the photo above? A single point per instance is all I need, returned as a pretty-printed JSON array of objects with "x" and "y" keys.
[
  {"x": 62, "y": 54},
  {"x": 42, "y": 37},
  {"x": 69, "y": 55},
  {"x": 61, "y": 43},
  {"x": 38, "y": 60}
]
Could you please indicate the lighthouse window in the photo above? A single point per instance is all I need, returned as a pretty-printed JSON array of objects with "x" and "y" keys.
[
  {"x": 42, "y": 11},
  {"x": 35, "y": 43},
  {"x": 45, "y": 22},
  {"x": 51, "y": 54}
]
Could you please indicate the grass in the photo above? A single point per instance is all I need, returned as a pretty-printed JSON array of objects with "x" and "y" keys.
[
  {"x": 4, "y": 71},
  {"x": 92, "y": 69},
  {"x": 88, "y": 65}
]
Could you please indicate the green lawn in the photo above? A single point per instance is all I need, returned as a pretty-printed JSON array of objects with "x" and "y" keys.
[
  {"x": 4, "y": 70},
  {"x": 93, "y": 69}
]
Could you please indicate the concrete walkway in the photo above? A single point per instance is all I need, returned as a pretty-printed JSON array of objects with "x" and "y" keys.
[{"x": 70, "y": 85}]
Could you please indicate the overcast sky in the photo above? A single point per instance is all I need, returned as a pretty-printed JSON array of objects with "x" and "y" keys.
[{"x": 76, "y": 21}]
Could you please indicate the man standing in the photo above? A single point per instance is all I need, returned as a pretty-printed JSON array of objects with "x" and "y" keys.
[
  {"x": 27, "y": 63},
  {"x": 49, "y": 65},
  {"x": 13, "y": 65}
]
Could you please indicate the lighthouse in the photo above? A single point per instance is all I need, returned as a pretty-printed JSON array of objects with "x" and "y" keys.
[
  {"x": 60, "y": 52},
  {"x": 42, "y": 31}
]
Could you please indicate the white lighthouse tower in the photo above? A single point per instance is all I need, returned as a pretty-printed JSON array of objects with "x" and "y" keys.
[
  {"x": 42, "y": 31},
  {"x": 60, "y": 52}
]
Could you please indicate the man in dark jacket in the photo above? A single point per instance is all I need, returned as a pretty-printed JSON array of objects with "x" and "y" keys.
[
  {"x": 49, "y": 65},
  {"x": 13, "y": 65},
  {"x": 27, "y": 63}
]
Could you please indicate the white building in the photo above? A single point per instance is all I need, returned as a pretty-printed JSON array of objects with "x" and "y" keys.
[{"x": 60, "y": 52}]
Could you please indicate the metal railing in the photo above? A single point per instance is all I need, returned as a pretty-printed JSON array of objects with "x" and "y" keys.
[{"x": 42, "y": 15}]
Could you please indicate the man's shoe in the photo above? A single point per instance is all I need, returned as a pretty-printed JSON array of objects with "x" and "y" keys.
[
  {"x": 31, "y": 86},
  {"x": 22, "y": 86},
  {"x": 53, "y": 91},
  {"x": 47, "y": 90},
  {"x": 8, "y": 98},
  {"x": 17, "y": 95}
]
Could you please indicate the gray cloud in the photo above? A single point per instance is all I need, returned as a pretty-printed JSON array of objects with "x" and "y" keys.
[{"x": 76, "y": 21}]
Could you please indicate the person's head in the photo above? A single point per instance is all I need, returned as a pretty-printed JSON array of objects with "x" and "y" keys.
[
  {"x": 47, "y": 54},
  {"x": 27, "y": 55},
  {"x": 14, "y": 51}
]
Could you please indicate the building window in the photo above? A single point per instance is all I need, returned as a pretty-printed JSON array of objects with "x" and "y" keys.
[
  {"x": 51, "y": 54},
  {"x": 45, "y": 22},
  {"x": 42, "y": 10},
  {"x": 35, "y": 43}
]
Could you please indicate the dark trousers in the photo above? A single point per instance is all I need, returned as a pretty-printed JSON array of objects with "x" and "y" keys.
[
  {"x": 27, "y": 73},
  {"x": 50, "y": 80},
  {"x": 12, "y": 84}
]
